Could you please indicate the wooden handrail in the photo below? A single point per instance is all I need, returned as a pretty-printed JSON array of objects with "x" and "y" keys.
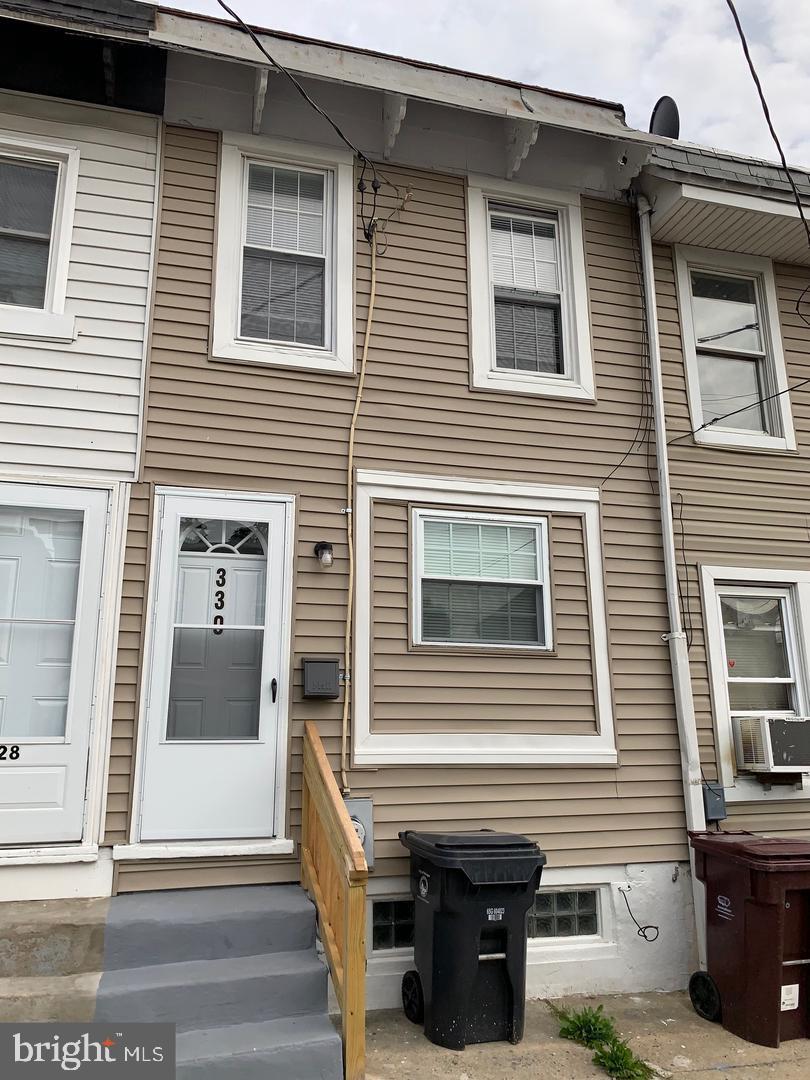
[{"x": 334, "y": 872}]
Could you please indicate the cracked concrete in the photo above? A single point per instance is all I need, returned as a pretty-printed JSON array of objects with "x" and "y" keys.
[{"x": 663, "y": 1029}]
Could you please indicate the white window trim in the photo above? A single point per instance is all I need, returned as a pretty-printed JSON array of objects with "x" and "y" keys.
[
  {"x": 688, "y": 258},
  {"x": 418, "y": 517},
  {"x": 49, "y": 323},
  {"x": 578, "y": 384},
  {"x": 489, "y": 748},
  {"x": 796, "y": 584},
  {"x": 338, "y": 358}
]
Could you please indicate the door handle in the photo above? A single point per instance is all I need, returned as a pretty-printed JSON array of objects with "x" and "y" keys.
[{"x": 273, "y": 689}]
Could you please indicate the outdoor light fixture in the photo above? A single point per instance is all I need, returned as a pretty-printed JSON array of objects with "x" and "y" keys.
[{"x": 324, "y": 554}]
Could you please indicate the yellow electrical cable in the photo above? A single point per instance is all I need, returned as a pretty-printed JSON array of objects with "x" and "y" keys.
[{"x": 347, "y": 642}]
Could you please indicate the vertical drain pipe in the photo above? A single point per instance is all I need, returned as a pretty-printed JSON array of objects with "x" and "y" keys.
[{"x": 676, "y": 638}]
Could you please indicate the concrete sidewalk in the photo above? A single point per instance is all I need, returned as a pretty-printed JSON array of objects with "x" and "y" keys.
[{"x": 663, "y": 1029}]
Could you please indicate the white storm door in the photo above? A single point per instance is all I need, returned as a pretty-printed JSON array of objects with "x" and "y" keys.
[
  {"x": 212, "y": 749},
  {"x": 51, "y": 561}
]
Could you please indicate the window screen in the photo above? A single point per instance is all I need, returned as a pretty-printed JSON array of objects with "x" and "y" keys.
[
  {"x": 284, "y": 261},
  {"x": 482, "y": 582},
  {"x": 27, "y": 200},
  {"x": 760, "y": 671},
  {"x": 732, "y": 370},
  {"x": 525, "y": 277}
]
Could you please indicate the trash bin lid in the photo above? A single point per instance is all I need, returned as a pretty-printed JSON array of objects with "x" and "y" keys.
[
  {"x": 484, "y": 856},
  {"x": 769, "y": 853}
]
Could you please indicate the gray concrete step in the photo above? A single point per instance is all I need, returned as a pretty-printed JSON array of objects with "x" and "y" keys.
[
  {"x": 206, "y": 924},
  {"x": 201, "y": 993},
  {"x": 298, "y": 1048},
  {"x": 44, "y": 938},
  {"x": 26, "y": 999}
]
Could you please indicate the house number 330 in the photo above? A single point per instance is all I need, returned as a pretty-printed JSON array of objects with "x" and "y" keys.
[{"x": 219, "y": 597}]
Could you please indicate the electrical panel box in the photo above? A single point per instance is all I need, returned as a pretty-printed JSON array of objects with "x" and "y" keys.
[
  {"x": 714, "y": 801},
  {"x": 361, "y": 811},
  {"x": 321, "y": 677}
]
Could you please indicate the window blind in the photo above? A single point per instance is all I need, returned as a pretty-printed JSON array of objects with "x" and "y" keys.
[
  {"x": 526, "y": 285},
  {"x": 284, "y": 269},
  {"x": 27, "y": 200},
  {"x": 481, "y": 583}
]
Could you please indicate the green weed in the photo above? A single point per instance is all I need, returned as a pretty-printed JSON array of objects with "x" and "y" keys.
[
  {"x": 587, "y": 1026},
  {"x": 590, "y": 1027},
  {"x": 619, "y": 1061}
]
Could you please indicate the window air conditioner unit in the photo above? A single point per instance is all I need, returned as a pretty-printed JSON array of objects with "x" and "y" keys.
[{"x": 772, "y": 744}]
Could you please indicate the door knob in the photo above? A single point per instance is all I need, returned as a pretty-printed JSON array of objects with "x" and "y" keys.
[{"x": 274, "y": 689}]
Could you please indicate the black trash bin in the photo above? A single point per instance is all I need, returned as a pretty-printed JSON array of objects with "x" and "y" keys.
[{"x": 472, "y": 894}]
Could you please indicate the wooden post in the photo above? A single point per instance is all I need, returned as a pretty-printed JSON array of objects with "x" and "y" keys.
[
  {"x": 335, "y": 874},
  {"x": 354, "y": 987}
]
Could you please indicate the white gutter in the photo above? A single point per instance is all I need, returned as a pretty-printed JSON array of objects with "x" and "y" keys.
[{"x": 678, "y": 651}]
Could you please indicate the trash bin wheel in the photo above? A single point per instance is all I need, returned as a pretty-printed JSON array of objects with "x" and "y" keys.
[
  {"x": 705, "y": 996},
  {"x": 413, "y": 1000}
]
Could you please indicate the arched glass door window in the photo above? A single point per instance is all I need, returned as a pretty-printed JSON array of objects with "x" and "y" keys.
[{"x": 215, "y": 688}]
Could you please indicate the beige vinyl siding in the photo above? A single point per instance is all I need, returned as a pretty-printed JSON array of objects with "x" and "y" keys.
[
  {"x": 231, "y": 426},
  {"x": 747, "y": 509},
  {"x": 434, "y": 689},
  {"x": 75, "y": 407}
]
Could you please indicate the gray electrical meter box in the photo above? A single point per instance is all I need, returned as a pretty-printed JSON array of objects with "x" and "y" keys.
[
  {"x": 321, "y": 677},
  {"x": 361, "y": 811}
]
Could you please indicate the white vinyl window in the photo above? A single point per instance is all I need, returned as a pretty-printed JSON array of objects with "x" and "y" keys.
[
  {"x": 37, "y": 196},
  {"x": 759, "y": 653},
  {"x": 528, "y": 289},
  {"x": 526, "y": 293},
  {"x": 733, "y": 352},
  {"x": 286, "y": 264},
  {"x": 481, "y": 580},
  {"x": 27, "y": 205},
  {"x": 284, "y": 269}
]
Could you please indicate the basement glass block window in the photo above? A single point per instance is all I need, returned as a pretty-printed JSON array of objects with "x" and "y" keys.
[
  {"x": 392, "y": 924},
  {"x": 482, "y": 580},
  {"x": 285, "y": 259},
  {"x": 565, "y": 914},
  {"x": 525, "y": 278},
  {"x": 27, "y": 201}
]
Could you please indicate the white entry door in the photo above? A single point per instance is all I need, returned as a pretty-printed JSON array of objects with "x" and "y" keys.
[
  {"x": 51, "y": 559},
  {"x": 218, "y": 671}
]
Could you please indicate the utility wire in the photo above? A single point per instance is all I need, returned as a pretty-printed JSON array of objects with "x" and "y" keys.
[
  {"x": 734, "y": 412},
  {"x": 280, "y": 68},
  {"x": 799, "y": 206}
]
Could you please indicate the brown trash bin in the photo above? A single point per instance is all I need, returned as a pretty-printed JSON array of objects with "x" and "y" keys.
[{"x": 757, "y": 935}]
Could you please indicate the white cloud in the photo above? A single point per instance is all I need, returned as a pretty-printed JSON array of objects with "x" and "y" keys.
[{"x": 619, "y": 50}]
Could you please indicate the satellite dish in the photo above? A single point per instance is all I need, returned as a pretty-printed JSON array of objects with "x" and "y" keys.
[{"x": 665, "y": 119}]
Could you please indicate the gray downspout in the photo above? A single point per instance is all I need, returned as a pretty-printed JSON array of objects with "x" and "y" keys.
[{"x": 678, "y": 652}]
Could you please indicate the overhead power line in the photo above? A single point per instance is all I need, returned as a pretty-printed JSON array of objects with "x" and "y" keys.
[{"x": 803, "y": 217}]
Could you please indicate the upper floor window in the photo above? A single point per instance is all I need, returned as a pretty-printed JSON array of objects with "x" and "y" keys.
[
  {"x": 27, "y": 203},
  {"x": 530, "y": 330},
  {"x": 732, "y": 348},
  {"x": 284, "y": 272},
  {"x": 38, "y": 181},
  {"x": 481, "y": 580},
  {"x": 285, "y": 264},
  {"x": 524, "y": 264}
]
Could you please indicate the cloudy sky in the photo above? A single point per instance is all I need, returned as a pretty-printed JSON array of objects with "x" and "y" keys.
[{"x": 622, "y": 50}]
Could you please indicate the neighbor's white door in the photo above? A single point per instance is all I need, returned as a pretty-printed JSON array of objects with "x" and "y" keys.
[
  {"x": 51, "y": 560},
  {"x": 211, "y": 752}
]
